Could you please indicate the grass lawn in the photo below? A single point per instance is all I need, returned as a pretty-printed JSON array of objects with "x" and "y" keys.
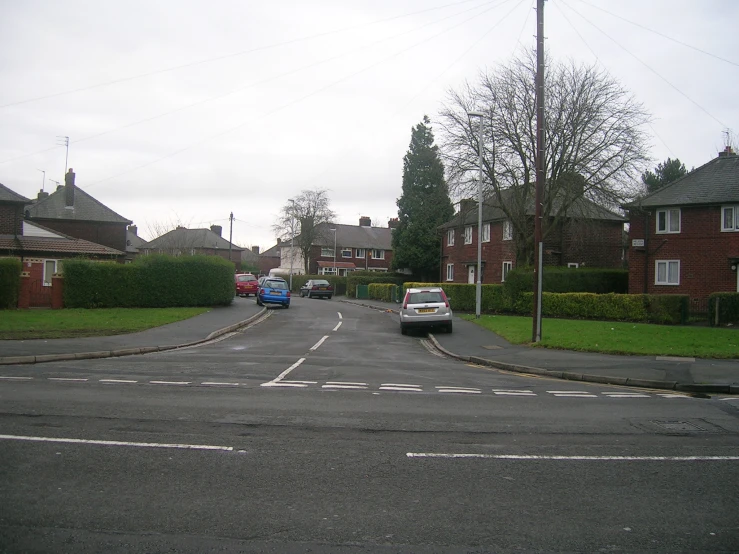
[
  {"x": 609, "y": 337},
  {"x": 58, "y": 324}
]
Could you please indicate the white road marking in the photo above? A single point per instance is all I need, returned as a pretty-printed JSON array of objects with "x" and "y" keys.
[
  {"x": 11, "y": 378},
  {"x": 117, "y": 381},
  {"x": 319, "y": 343},
  {"x": 399, "y": 385},
  {"x": 337, "y": 326},
  {"x": 219, "y": 383},
  {"x": 284, "y": 374},
  {"x": 344, "y": 387},
  {"x": 400, "y": 388},
  {"x": 463, "y": 391},
  {"x": 170, "y": 382},
  {"x": 303, "y": 382},
  {"x": 573, "y": 393},
  {"x": 625, "y": 395},
  {"x": 116, "y": 443},
  {"x": 66, "y": 379},
  {"x": 344, "y": 383},
  {"x": 513, "y": 392},
  {"x": 283, "y": 384},
  {"x": 674, "y": 359},
  {"x": 457, "y": 388},
  {"x": 735, "y": 398},
  {"x": 575, "y": 458},
  {"x": 673, "y": 395},
  {"x": 340, "y": 316}
]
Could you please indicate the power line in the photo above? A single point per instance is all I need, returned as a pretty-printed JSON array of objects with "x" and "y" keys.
[{"x": 227, "y": 56}]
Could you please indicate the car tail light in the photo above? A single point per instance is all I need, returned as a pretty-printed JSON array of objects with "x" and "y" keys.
[
  {"x": 446, "y": 300},
  {"x": 405, "y": 300},
  {"x": 288, "y": 294}
]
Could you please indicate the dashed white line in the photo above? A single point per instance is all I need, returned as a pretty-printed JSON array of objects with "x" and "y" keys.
[
  {"x": 170, "y": 382},
  {"x": 572, "y": 393},
  {"x": 673, "y": 395},
  {"x": 117, "y": 381},
  {"x": 337, "y": 326},
  {"x": 66, "y": 379},
  {"x": 11, "y": 378},
  {"x": 340, "y": 316},
  {"x": 319, "y": 343},
  {"x": 574, "y": 458},
  {"x": 345, "y": 383},
  {"x": 116, "y": 443},
  {"x": 336, "y": 386},
  {"x": 462, "y": 391},
  {"x": 401, "y": 387},
  {"x": 219, "y": 383},
  {"x": 625, "y": 394},
  {"x": 513, "y": 392}
]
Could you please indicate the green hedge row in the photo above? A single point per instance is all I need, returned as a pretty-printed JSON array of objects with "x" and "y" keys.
[
  {"x": 369, "y": 278},
  {"x": 462, "y": 296},
  {"x": 10, "y": 282},
  {"x": 565, "y": 279},
  {"x": 157, "y": 281},
  {"x": 723, "y": 308}
]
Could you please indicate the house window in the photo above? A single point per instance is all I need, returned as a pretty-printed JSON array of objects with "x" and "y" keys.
[
  {"x": 667, "y": 272},
  {"x": 327, "y": 270},
  {"x": 507, "y": 266},
  {"x": 486, "y": 232},
  {"x": 507, "y": 230},
  {"x": 468, "y": 234},
  {"x": 327, "y": 252},
  {"x": 378, "y": 254},
  {"x": 450, "y": 237},
  {"x": 361, "y": 253},
  {"x": 346, "y": 252},
  {"x": 49, "y": 270},
  {"x": 573, "y": 265},
  {"x": 668, "y": 221},
  {"x": 730, "y": 218},
  {"x": 450, "y": 272}
]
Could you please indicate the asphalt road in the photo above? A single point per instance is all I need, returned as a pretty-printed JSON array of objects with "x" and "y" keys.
[{"x": 322, "y": 429}]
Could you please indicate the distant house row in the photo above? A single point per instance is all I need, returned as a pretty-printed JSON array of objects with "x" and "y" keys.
[{"x": 682, "y": 239}]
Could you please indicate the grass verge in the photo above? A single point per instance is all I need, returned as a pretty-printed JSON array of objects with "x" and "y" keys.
[
  {"x": 609, "y": 337},
  {"x": 60, "y": 324}
]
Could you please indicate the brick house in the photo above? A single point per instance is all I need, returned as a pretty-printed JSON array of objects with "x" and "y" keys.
[
  {"x": 593, "y": 239},
  {"x": 134, "y": 243},
  {"x": 42, "y": 252},
  {"x": 74, "y": 213},
  {"x": 341, "y": 249},
  {"x": 684, "y": 238},
  {"x": 190, "y": 242},
  {"x": 269, "y": 259}
]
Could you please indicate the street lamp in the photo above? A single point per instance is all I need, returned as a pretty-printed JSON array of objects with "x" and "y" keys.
[
  {"x": 478, "y": 285},
  {"x": 292, "y": 240},
  {"x": 334, "y": 232}
]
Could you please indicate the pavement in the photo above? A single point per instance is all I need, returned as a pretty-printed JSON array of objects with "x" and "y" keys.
[{"x": 469, "y": 342}]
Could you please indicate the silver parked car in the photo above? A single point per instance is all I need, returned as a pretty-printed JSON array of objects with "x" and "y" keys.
[{"x": 427, "y": 307}]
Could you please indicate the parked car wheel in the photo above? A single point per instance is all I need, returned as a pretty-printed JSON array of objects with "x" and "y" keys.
[
  {"x": 449, "y": 327},
  {"x": 403, "y": 329}
]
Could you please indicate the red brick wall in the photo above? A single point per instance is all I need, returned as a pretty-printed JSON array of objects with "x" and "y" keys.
[
  {"x": 702, "y": 249},
  {"x": 11, "y": 219},
  {"x": 107, "y": 234}
]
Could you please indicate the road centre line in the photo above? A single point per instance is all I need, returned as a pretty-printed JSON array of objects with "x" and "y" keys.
[
  {"x": 170, "y": 382},
  {"x": 11, "y": 378},
  {"x": 399, "y": 385},
  {"x": 116, "y": 381},
  {"x": 463, "y": 391},
  {"x": 458, "y": 388},
  {"x": 345, "y": 383},
  {"x": 575, "y": 458},
  {"x": 319, "y": 343},
  {"x": 66, "y": 379},
  {"x": 513, "y": 392},
  {"x": 337, "y": 326},
  {"x": 116, "y": 443},
  {"x": 340, "y": 316},
  {"x": 361, "y": 387},
  {"x": 218, "y": 383}
]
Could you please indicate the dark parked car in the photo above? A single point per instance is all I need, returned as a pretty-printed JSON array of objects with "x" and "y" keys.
[
  {"x": 317, "y": 288},
  {"x": 246, "y": 284},
  {"x": 273, "y": 290}
]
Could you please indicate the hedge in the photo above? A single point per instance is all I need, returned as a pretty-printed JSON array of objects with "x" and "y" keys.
[
  {"x": 156, "y": 281},
  {"x": 462, "y": 296},
  {"x": 725, "y": 305},
  {"x": 10, "y": 282}
]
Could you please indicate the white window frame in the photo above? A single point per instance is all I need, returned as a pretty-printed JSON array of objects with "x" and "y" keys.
[
  {"x": 486, "y": 232},
  {"x": 669, "y": 216},
  {"x": 378, "y": 254},
  {"x": 468, "y": 234},
  {"x": 666, "y": 264},
  {"x": 344, "y": 251},
  {"x": 47, "y": 276},
  {"x": 507, "y": 230},
  {"x": 327, "y": 252},
  {"x": 450, "y": 237},
  {"x": 361, "y": 253},
  {"x": 507, "y": 266},
  {"x": 327, "y": 270},
  {"x": 450, "y": 272},
  {"x": 573, "y": 265},
  {"x": 734, "y": 216}
]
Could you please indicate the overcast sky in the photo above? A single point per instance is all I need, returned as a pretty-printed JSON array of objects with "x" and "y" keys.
[{"x": 184, "y": 111}]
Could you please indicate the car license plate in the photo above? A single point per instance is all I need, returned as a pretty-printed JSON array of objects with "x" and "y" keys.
[
  {"x": 426, "y": 310},
  {"x": 275, "y": 293},
  {"x": 321, "y": 288}
]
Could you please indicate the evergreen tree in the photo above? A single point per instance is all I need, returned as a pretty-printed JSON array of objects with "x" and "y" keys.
[
  {"x": 665, "y": 173},
  {"x": 423, "y": 205}
]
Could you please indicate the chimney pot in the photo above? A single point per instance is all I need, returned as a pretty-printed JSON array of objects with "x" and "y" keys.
[
  {"x": 255, "y": 249},
  {"x": 217, "y": 229},
  {"x": 365, "y": 221},
  {"x": 69, "y": 188},
  {"x": 133, "y": 229}
]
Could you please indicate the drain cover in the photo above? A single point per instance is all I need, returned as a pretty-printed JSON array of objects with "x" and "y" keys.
[{"x": 678, "y": 426}]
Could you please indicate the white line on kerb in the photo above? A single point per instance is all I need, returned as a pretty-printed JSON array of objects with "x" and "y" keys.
[
  {"x": 576, "y": 458},
  {"x": 116, "y": 443},
  {"x": 319, "y": 343},
  {"x": 337, "y": 326}
]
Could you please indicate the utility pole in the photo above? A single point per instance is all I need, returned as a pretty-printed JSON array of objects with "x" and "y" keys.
[
  {"x": 64, "y": 141},
  {"x": 538, "y": 246},
  {"x": 230, "y": 235}
]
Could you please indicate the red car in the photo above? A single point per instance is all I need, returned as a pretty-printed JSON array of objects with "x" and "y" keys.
[{"x": 246, "y": 284}]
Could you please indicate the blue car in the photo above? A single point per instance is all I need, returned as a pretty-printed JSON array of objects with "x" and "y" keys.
[{"x": 273, "y": 290}]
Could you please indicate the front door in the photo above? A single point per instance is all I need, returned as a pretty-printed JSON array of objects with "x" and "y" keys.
[{"x": 471, "y": 275}]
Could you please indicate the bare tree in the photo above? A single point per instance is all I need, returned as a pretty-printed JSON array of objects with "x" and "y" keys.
[
  {"x": 596, "y": 146},
  {"x": 305, "y": 219}
]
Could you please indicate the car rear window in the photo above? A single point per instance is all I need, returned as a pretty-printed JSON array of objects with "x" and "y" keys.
[
  {"x": 425, "y": 297},
  {"x": 243, "y": 278},
  {"x": 281, "y": 285},
  {"x": 318, "y": 282}
]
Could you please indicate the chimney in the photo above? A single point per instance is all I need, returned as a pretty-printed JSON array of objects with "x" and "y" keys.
[
  {"x": 69, "y": 189},
  {"x": 279, "y": 240},
  {"x": 365, "y": 221},
  {"x": 728, "y": 151},
  {"x": 217, "y": 229},
  {"x": 255, "y": 249},
  {"x": 133, "y": 229},
  {"x": 393, "y": 223},
  {"x": 42, "y": 195},
  {"x": 466, "y": 205}
]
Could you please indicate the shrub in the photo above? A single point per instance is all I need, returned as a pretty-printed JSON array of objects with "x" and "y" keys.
[
  {"x": 463, "y": 296},
  {"x": 10, "y": 283},
  {"x": 723, "y": 308}
]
